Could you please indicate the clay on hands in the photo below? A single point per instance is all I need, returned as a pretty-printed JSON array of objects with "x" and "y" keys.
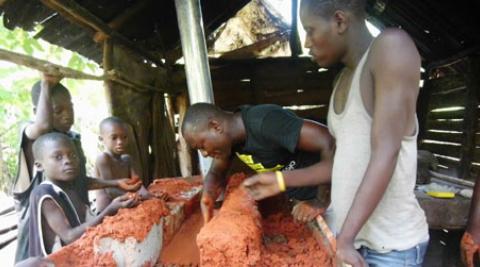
[
  {"x": 132, "y": 184},
  {"x": 469, "y": 250},
  {"x": 305, "y": 211}
]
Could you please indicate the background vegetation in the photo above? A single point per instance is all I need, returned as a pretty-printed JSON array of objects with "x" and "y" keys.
[{"x": 15, "y": 104}]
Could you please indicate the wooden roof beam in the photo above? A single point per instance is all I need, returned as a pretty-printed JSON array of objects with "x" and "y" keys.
[
  {"x": 121, "y": 19},
  {"x": 74, "y": 12}
]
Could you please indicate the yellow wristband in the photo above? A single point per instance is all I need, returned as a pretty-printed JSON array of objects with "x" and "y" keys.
[{"x": 280, "y": 181}]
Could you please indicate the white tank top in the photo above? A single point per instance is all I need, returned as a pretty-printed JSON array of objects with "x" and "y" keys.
[{"x": 398, "y": 222}]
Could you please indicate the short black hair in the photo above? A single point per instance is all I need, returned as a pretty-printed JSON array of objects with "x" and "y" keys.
[
  {"x": 56, "y": 90},
  {"x": 199, "y": 114},
  {"x": 39, "y": 145},
  {"x": 111, "y": 120},
  {"x": 326, "y": 8}
]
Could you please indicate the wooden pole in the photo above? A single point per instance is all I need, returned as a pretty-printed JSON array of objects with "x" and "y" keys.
[
  {"x": 184, "y": 151},
  {"x": 45, "y": 66},
  {"x": 294, "y": 41},
  {"x": 51, "y": 68},
  {"x": 107, "y": 62},
  {"x": 470, "y": 117},
  {"x": 170, "y": 110}
]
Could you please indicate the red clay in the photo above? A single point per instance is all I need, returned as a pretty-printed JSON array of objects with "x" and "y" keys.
[
  {"x": 135, "y": 222},
  {"x": 183, "y": 250},
  {"x": 287, "y": 243},
  {"x": 238, "y": 236},
  {"x": 233, "y": 237},
  {"x": 176, "y": 189}
]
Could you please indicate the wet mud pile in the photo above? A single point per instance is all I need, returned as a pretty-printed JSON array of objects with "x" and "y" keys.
[{"x": 239, "y": 236}]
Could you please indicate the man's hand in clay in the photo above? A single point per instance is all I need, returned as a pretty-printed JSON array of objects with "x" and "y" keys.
[
  {"x": 206, "y": 204},
  {"x": 212, "y": 188},
  {"x": 262, "y": 185},
  {"x": 470, "y": 249},
  {"x": 305, "y": 211},
  {"x": 129, "y": 184},
  {"x": 122, "y": 201}
]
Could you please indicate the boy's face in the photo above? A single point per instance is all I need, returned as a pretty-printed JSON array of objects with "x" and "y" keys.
[
  {"x": 59, "y": 161},
  {"x": 63, "y": 116},
  {"x": 114, "y": 137},
  {"x": 322, "y": 38},
  {"x": 211, "y": 142}
]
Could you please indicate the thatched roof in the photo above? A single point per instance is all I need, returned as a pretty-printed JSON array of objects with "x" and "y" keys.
[{"x": 440, "y": 28}]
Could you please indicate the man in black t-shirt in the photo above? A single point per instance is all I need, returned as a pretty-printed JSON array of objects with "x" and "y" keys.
[{"x": 267, "y": 138}]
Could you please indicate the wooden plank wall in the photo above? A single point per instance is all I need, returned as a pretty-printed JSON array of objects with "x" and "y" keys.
[
  {"x": 295, "y": 83},
  {"x": 450, "y": 127}
]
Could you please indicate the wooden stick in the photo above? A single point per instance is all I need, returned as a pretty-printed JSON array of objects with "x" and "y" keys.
[
  {"x": 45, "y": 66},
  {"x": 54, "y": 69}
]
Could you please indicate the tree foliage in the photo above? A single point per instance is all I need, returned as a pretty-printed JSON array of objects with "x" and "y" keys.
[{"x": 15, "y": 84}]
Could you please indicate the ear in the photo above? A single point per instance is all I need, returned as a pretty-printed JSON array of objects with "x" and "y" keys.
[
  {"x": 39, "y": 166},
  {"x": 215, "y": 125},
  {"x": 341, "y": 20}
]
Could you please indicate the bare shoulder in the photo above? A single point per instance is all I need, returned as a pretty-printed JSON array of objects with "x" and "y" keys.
[
  {"x": 103, "y": 159},
  {"x": 394, "y": 44},
  {"x": 394, "y": 52},
  {"x": 50, "y": 207}
]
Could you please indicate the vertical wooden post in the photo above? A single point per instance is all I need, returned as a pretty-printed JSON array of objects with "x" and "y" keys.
[
  {"x": 170, "y": 110},
  {"x": 423, "y": 107},
  {"x": 108, "y": 65},
  {"x": 184, "y": 153},
  {"x": 295, "y": 46},
  {"x": 471, "y": 116}
]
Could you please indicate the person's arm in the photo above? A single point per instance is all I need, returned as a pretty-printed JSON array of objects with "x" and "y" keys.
[
  {"x": 142, "y": 192},
  {"x": 125, "y": 184},
  {"x": 55, "y": 218},
  {"x": 470, "y": 243},
  {"x": 213, "y": 184},
  {"x": 43, "y": 122},
  {"x": 102, "y": 165},
  {"x": 313, "y": 137},
  {"x": 396, "y": 73}
]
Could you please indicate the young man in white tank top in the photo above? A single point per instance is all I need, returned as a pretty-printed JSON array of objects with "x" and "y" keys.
[{"x": 372, "y": 117}]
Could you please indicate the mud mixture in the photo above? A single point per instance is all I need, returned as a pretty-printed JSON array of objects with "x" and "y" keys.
[{"x": 239, "y": 236}]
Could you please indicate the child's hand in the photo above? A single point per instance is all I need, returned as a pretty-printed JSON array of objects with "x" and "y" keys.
[
  {"x": 123, "y": 201},
  {"x": 129, "y": 184},
  {"x": 305, "y": 211},
  {"x": 469, "y": 250},
  {"x": 144, "y": 194}
]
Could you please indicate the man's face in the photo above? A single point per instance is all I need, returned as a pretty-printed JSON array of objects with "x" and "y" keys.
[
  {"x": 59, "y": 161},
  {"x": 321, "y": 38},
  {"x": 211, "y": 142},
  {"x": 114, "y": 137},
  {"x": 63, "y": 116}
]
